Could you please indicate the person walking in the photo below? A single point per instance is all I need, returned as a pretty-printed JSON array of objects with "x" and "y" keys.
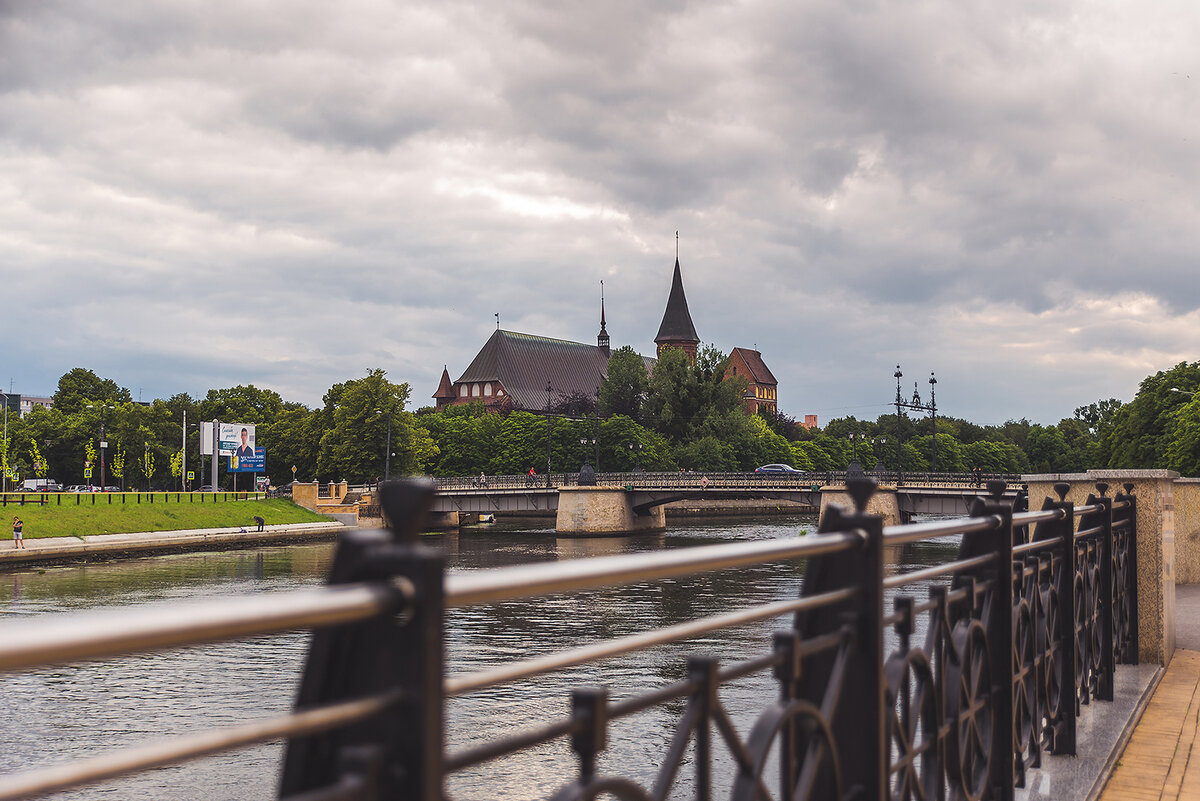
[{"x": 18, "y": 539}]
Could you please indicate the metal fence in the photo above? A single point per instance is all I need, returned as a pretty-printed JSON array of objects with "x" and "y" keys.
[
  {"x": 679, "y": 480},
  {"x": 1020, "y": 630},
  {"x": 119, "y": 498}
]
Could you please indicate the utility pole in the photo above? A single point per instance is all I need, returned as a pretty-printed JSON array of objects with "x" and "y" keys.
[{"x": 183, "y": 455}]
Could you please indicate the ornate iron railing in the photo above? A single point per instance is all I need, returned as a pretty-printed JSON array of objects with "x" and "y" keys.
[
  {"x": 988, "y": 673},
  {"x": 677, "y": 480}
]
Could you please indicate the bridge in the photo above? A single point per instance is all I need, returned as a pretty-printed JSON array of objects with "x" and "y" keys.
[
  {"x": 960, "y": 679},
  {"x": 632, "y": 502}
]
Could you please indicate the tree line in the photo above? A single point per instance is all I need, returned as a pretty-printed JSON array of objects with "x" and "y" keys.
[{"x": 683, "y": 416}]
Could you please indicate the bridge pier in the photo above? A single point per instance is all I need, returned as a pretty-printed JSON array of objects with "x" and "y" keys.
[
  {"x": 604, "y": 510},
  {"x": 1155, "y": 493},
  {"x": 884, "y": 503},
  {"x": 441, "y": 521}
]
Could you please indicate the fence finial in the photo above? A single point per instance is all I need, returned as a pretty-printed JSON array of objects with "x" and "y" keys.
[
  {"x": 996, "y": 488},
  {"x": 406, "y": 503},
  {"x": 1128, "y": 488},
  {"x": 1102, "y": 488},
  {"x": 1061, "y": 489}
]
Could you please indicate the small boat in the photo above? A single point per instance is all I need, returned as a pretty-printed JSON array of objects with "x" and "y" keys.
[{"x": 489, "y": 518}]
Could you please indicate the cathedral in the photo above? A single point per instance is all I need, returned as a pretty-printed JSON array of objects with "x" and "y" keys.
[{"x": 525, "y": 372}]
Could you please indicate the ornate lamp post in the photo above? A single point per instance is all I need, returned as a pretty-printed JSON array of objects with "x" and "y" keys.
[
  {"x": 587, "y": 475},
  {"x": 916, "y": 405},
  {"x": 636, "y": 449}
]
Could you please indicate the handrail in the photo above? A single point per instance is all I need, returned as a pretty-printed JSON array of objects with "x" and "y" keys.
[
  {"x": 528, "y": 581},
  {"x": 840, "y": 558},
  {"x": 469, "y": 682},
  {"x": 48, "y": 640}
]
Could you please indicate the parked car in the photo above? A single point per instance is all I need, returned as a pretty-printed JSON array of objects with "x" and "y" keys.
[
  {"x": 112, "y": 489},
  {"x": 206, "y": 488},
  {"x": 40, "y": 485},
  {"x": 778, "y": 468}
]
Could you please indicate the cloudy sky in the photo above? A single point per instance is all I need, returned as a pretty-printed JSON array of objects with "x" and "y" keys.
[{"x": 201, "y": 194}]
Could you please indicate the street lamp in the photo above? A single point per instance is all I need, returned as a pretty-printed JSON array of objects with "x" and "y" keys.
[
  {"x": 549, "y": 420},
  {"x": 587, "y": 475},
  {"x": 636, "y": 449},
  {"x": 103, "y": 444},
  {"x": 387, "y": 454}
]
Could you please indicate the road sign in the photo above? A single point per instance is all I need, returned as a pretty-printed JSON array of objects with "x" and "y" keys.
[
  {"x": 87, "y": 472},
  {"x": 191, "y": 475}
]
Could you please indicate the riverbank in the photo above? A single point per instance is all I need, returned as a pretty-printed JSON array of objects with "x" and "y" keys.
[
  {"x": 157, "y": 512},
  {"x": 98, "y": 547}
]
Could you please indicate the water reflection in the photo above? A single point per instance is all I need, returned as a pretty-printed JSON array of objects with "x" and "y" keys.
[{"x": 81, "y": 710}]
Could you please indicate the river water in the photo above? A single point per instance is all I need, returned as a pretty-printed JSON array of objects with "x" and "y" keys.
[{"x": 52, "y": 714}]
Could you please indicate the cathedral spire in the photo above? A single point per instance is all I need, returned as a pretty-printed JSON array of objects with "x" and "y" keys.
[
  {"x": 602, "y": 337},
  {"x": 677, "y": 330}
]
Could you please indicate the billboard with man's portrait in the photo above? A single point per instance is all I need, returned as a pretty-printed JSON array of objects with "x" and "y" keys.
[{"x": 237, "y": 439}]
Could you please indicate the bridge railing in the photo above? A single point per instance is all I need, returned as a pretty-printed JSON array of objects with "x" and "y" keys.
[
  {"x": 736, "y": 480},
  {"x": 984, "y": 674}
]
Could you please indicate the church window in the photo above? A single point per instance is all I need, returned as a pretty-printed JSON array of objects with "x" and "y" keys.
[
  {"x": 474, "y": 390},
  {"x": 487, "y": 389},
  {"x": 462, "y": 390}
]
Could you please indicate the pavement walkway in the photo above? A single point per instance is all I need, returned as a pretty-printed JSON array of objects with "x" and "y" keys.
[
  {"x": 53, "y": 550},
  {"x": 1162, "y": 759}
]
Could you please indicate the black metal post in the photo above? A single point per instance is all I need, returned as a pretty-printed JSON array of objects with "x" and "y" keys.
[
  {"x": 1104, "y": 688},
  {"x": 933, "y": 414},
  {"x": 899, "y": 435},
  {"x": 387, "y": 456},
  {"x": 1064, "y": 741},
  {"x": 854, "y": 674},
  {"x": 549, "y": 420},
  {"x": 399, "y": 752}
]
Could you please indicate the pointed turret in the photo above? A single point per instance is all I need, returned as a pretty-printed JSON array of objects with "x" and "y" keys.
[
  {"x": 602, "y": 337},
  {"x": 445, "y": 391},
  {"x": 676, "y": 330}
]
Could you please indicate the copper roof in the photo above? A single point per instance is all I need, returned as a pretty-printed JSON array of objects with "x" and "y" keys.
[
  {"x": 677, "y": 321},
  {"x": 525, "y": 363},
  {"x": 759, "y": 372}
]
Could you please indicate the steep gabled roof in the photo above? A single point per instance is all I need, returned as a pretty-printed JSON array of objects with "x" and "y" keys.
[
  {"x": 524, "y": 363},
  {"x": 759, "y": 372},
  {"x": 677, "y": 321},
  {"x": 445, "y": 386}
]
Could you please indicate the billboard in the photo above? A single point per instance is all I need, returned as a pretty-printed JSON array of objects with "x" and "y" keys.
[
  {"x": 256, "y": 463},
  {"x": 234, "y": 439}
]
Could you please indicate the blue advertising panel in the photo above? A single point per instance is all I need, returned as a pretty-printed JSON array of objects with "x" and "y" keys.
[{"x": 249, "y": 464}]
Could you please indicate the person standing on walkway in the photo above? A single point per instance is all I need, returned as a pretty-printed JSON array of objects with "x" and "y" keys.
[
  {"x": 258, "y": 521},
  {"x": 18, "y": 539}
]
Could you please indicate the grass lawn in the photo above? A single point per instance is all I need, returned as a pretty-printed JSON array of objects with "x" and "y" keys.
[{"x": 70, "y": 520}]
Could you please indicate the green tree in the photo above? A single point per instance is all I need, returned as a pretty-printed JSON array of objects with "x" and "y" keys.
[
  {"x": 354, "y": 446},
  {"x": 706, "y": 455},
  {"x": 624, "y": 388},
  {"x": 81, "y": 386},
  {"x": 1141, "y": 431},
  {"x": 244, "y": 403}
]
